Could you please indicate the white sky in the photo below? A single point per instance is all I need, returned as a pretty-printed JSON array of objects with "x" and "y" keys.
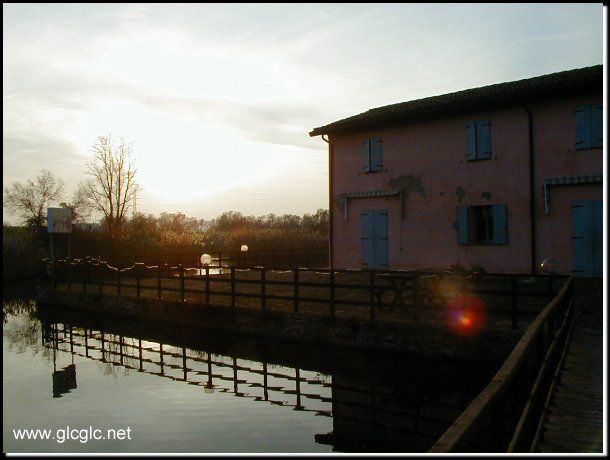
[{"x": 218, "y": 99}]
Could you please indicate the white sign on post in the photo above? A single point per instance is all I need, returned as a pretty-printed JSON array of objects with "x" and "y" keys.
[{"x": 59, "y": 220}]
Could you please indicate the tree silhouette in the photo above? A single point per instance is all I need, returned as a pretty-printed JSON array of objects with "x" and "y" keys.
[
  {"x": 31, "y": 199},
  {"x": 112, "y": 186}
]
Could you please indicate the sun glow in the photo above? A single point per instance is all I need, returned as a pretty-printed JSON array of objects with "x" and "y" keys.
[{"x": 465, "y": 315}]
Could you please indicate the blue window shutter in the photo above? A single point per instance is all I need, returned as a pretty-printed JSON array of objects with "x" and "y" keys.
[
  {"x": 583, "y": 127},
  {"x": 597, "y": 128},
  {"x": 366, "y": 222},
  {"x": 381, "y": 239},
  {"x": 581, "y": 240},
  {"x": 597, "y": 233},
  {"x": 366, "y": 155},
  {"x": 483, "y": 139},
  {"x": 500, "y": 227},
  {"x": 376, "y": 163},
  {"x": 463, "y": 224},
  {"x": 471, "y": 145}
]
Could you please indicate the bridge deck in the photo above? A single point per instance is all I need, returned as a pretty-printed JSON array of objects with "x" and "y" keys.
[{"x": 575, "y": 419}]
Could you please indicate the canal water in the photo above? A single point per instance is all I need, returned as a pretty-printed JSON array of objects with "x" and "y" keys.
[{"x": 151, "y": 389}]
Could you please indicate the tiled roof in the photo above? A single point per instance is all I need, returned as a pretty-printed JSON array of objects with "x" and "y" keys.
[{"x": 587, "y": 79}]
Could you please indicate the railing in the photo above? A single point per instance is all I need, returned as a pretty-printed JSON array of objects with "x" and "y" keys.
[
  {"x": 505, "y": 416},
  {"x": 367, "y": 294},
  {"x": 299, "y": 257}
]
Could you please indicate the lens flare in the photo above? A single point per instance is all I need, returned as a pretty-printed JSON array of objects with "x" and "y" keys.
[{"x": 465, "y": 315}]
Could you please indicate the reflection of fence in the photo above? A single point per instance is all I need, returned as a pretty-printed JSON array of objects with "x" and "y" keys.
[
  {"x": 398, "y": 413},
  {"x": 368, "y": 294},
  {"x": 510, "y": 408},
  {"x": 303, "y": 390}
]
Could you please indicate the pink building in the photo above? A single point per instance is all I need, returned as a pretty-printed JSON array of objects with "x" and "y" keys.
[{"x": 502, "y": 176}]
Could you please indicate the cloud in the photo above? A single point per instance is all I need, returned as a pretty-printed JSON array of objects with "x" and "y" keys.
[
  {"x": 268, "y": 73},
  {"x": 26, "y": 152}
]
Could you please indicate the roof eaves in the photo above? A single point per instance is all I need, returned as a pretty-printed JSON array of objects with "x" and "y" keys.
[{"x": 499, "y": 94}]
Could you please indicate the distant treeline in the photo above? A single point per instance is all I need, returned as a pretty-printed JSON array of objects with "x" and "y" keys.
[{"x": 171, "y": 233}]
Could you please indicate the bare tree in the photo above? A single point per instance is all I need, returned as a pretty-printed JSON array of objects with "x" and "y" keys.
[
  {"x": 111, "y": 189},
  {"x": 80, "y": 204},
  {"x": 30, "y": 200}
]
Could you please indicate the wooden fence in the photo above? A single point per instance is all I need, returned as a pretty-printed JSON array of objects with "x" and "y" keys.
[
  {"x": 276, "y": 258},
  {"x": 307, "y": 290}
]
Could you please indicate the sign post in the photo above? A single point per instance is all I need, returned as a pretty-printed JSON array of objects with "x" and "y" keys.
[{"x": 59, "y": 220}]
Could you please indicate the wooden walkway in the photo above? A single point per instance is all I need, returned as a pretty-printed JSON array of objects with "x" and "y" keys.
[{"x": 574, "y": 423}]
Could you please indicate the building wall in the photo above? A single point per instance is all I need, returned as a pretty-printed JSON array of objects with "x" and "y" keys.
[
  {"x": 428, "y": 161},
  {"x": 555, "y": 157}
]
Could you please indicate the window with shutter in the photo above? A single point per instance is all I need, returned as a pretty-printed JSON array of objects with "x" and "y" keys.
[
  {"x": 374, "y": 238},
  {"x": 366, "y": 156},
  {"x": 371, "y": 155},
  {"x": 366, "y": 235},
  {"x": 463, "y": 224},
  {"x": 478, "y": 140},
  {"x": 597, "y": 128},
  {"x": 483, "y": 140},
  {"x": 583, "y": 127},
  {"x": 376, "y": 163},
  {"x": 482, "y": 224},
  {"x": 500, "y": 227},
  {"x": 589, "y": 126},
  {"x": 381, "y": 239}
]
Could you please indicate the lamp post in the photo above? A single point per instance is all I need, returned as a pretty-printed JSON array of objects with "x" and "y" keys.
[{"x": 244, "y": 250}]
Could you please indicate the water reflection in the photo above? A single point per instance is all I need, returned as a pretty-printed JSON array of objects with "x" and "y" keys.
[
  {"x": 259, "y": 381},
  {"x": 64, "y": 380},
  {"x": 372, "y": 402},
  {"x": 387, "y": 410}
]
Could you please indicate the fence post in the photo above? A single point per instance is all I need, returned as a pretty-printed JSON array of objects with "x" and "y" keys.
[
  {"x": 102, "y": 346},
  {"x": 332, "y": 292},
  {"x": 181, "y": 269},
  {"x": 296, "y": 290},
  {"x": 298, "y": 387},
  {"x": 86, "y": 344},
  {"x": 372, "y": 293},
  {"x": 121, "y": 349},
  {"x": 101, "y": 269},
  {"x": 85, "y": 271},
  {"x": 158, "y": 281},
  {"x": 207, "y": 285},
  {"x": 416, "y": 296},
  {"x": 118, "y": 281},
  {"x": 513, "y": 300},
  {"x": 184, "y": 364},
  {"x": 263, "y": 289},
  {"x": 233, "y": 287},
  {"x": 137, "y": 280},
  {"x": 140, "y": 354},
  {"x": 69, "y": 275},
  {"x": 54, "y": 265}
]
